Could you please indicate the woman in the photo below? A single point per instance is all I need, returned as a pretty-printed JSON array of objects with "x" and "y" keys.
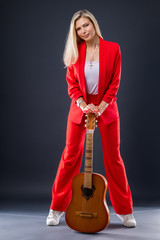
[{"x": 93, "y": 77}]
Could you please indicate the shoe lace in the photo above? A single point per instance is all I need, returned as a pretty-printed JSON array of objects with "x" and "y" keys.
[
  {"x": 54, "y": 214},
  {"x": 128, "y": 217}
]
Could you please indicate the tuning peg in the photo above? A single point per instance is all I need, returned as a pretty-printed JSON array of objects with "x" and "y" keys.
[
  {"x": 85, "y": 120},
  {"x": 96, "y": 126},
  {"x": 96, "y": 120}
]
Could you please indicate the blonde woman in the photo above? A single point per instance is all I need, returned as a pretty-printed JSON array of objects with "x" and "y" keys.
[{"x": 93, "y": 77}]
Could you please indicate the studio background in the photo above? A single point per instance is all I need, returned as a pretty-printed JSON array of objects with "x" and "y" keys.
[{"x": 35, "y": 101}]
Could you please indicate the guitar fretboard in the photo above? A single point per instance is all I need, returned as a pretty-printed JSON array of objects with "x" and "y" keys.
[{"x": 88, "y": 160}]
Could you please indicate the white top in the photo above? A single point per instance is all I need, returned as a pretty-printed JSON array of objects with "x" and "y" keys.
[{"x": 92, "y": 77}]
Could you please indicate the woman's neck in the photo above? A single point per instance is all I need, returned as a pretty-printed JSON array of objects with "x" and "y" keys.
[{"x": 93, "y": 42}]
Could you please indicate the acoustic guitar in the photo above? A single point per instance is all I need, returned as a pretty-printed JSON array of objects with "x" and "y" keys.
[{"x": 88, "y": 211}]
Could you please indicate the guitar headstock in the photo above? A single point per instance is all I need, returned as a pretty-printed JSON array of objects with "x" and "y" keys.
[{"x": 90, "y": 122}]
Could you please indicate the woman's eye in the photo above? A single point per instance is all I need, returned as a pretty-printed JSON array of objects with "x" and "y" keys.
[{"x": 83, "y": 25}]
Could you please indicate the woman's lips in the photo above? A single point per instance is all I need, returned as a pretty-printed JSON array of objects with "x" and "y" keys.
[{"x": 86, "y": 35}]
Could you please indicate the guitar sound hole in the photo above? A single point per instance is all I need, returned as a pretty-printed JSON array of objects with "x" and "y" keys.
[{"x": 87, "y": 192}]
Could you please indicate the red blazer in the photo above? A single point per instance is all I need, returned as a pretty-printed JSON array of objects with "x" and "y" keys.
[{"x": 109, "y": 80}]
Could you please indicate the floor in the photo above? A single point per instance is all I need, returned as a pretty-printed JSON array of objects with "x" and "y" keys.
[{"x": 27, "y": 222}]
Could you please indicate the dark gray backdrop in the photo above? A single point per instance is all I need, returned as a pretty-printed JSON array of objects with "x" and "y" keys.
[{"x": 35, "y": 102}]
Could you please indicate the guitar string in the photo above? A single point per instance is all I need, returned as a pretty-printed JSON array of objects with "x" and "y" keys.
[{"x": 89, "y": 142}]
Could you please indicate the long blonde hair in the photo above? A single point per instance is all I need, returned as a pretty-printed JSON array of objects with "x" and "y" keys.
[{"x": 70, "y": 55}]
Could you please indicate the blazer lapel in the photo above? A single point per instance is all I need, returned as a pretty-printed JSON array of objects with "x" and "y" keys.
[
  {"x": 82, "y": 57},
  {"x": 102, "y": 69}
]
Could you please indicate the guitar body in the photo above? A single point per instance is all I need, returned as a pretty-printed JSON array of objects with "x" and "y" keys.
[{"x": 88, "y": 211}]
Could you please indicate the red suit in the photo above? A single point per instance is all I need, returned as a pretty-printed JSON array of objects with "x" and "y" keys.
[{"x": 109, "y": 126}]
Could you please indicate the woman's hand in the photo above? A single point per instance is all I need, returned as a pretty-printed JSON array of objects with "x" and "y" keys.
[
  {"x": 102, "y": 106},
  {"x": 90, "y": 108}
]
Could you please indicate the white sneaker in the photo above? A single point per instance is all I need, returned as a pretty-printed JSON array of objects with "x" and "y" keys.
[
  {"x": 128, "y": 220},
  {"x": 53, "y": 217}
]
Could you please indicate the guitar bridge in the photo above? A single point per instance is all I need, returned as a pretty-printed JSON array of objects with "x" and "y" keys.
[{"x": 87, "y": 215}]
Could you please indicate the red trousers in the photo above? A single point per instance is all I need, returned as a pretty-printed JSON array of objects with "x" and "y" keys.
[{"x": 69, "y": 166}]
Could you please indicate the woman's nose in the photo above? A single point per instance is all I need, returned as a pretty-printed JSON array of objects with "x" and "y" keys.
[{"x": 83, "y": 31}]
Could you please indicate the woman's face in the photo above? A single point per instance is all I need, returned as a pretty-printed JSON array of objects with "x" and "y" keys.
[{"x": 85, "y": 28}]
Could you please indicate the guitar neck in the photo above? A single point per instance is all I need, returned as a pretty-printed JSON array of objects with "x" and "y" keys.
[{"x": 88, "y": 160}]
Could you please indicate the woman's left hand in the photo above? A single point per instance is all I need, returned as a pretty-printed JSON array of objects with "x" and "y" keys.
[{"x": 102, "y": 106}]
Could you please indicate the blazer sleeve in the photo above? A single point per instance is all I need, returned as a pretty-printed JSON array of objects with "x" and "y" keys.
[
  {"x": 73, "y": 85},
  {"x": 111, "y": 92}
]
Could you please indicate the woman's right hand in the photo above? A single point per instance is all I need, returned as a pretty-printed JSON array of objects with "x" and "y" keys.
[{"x": 90, "y": 108}]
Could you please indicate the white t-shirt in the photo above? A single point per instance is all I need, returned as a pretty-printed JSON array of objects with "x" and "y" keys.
[{"x": 92, "y": 77}]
